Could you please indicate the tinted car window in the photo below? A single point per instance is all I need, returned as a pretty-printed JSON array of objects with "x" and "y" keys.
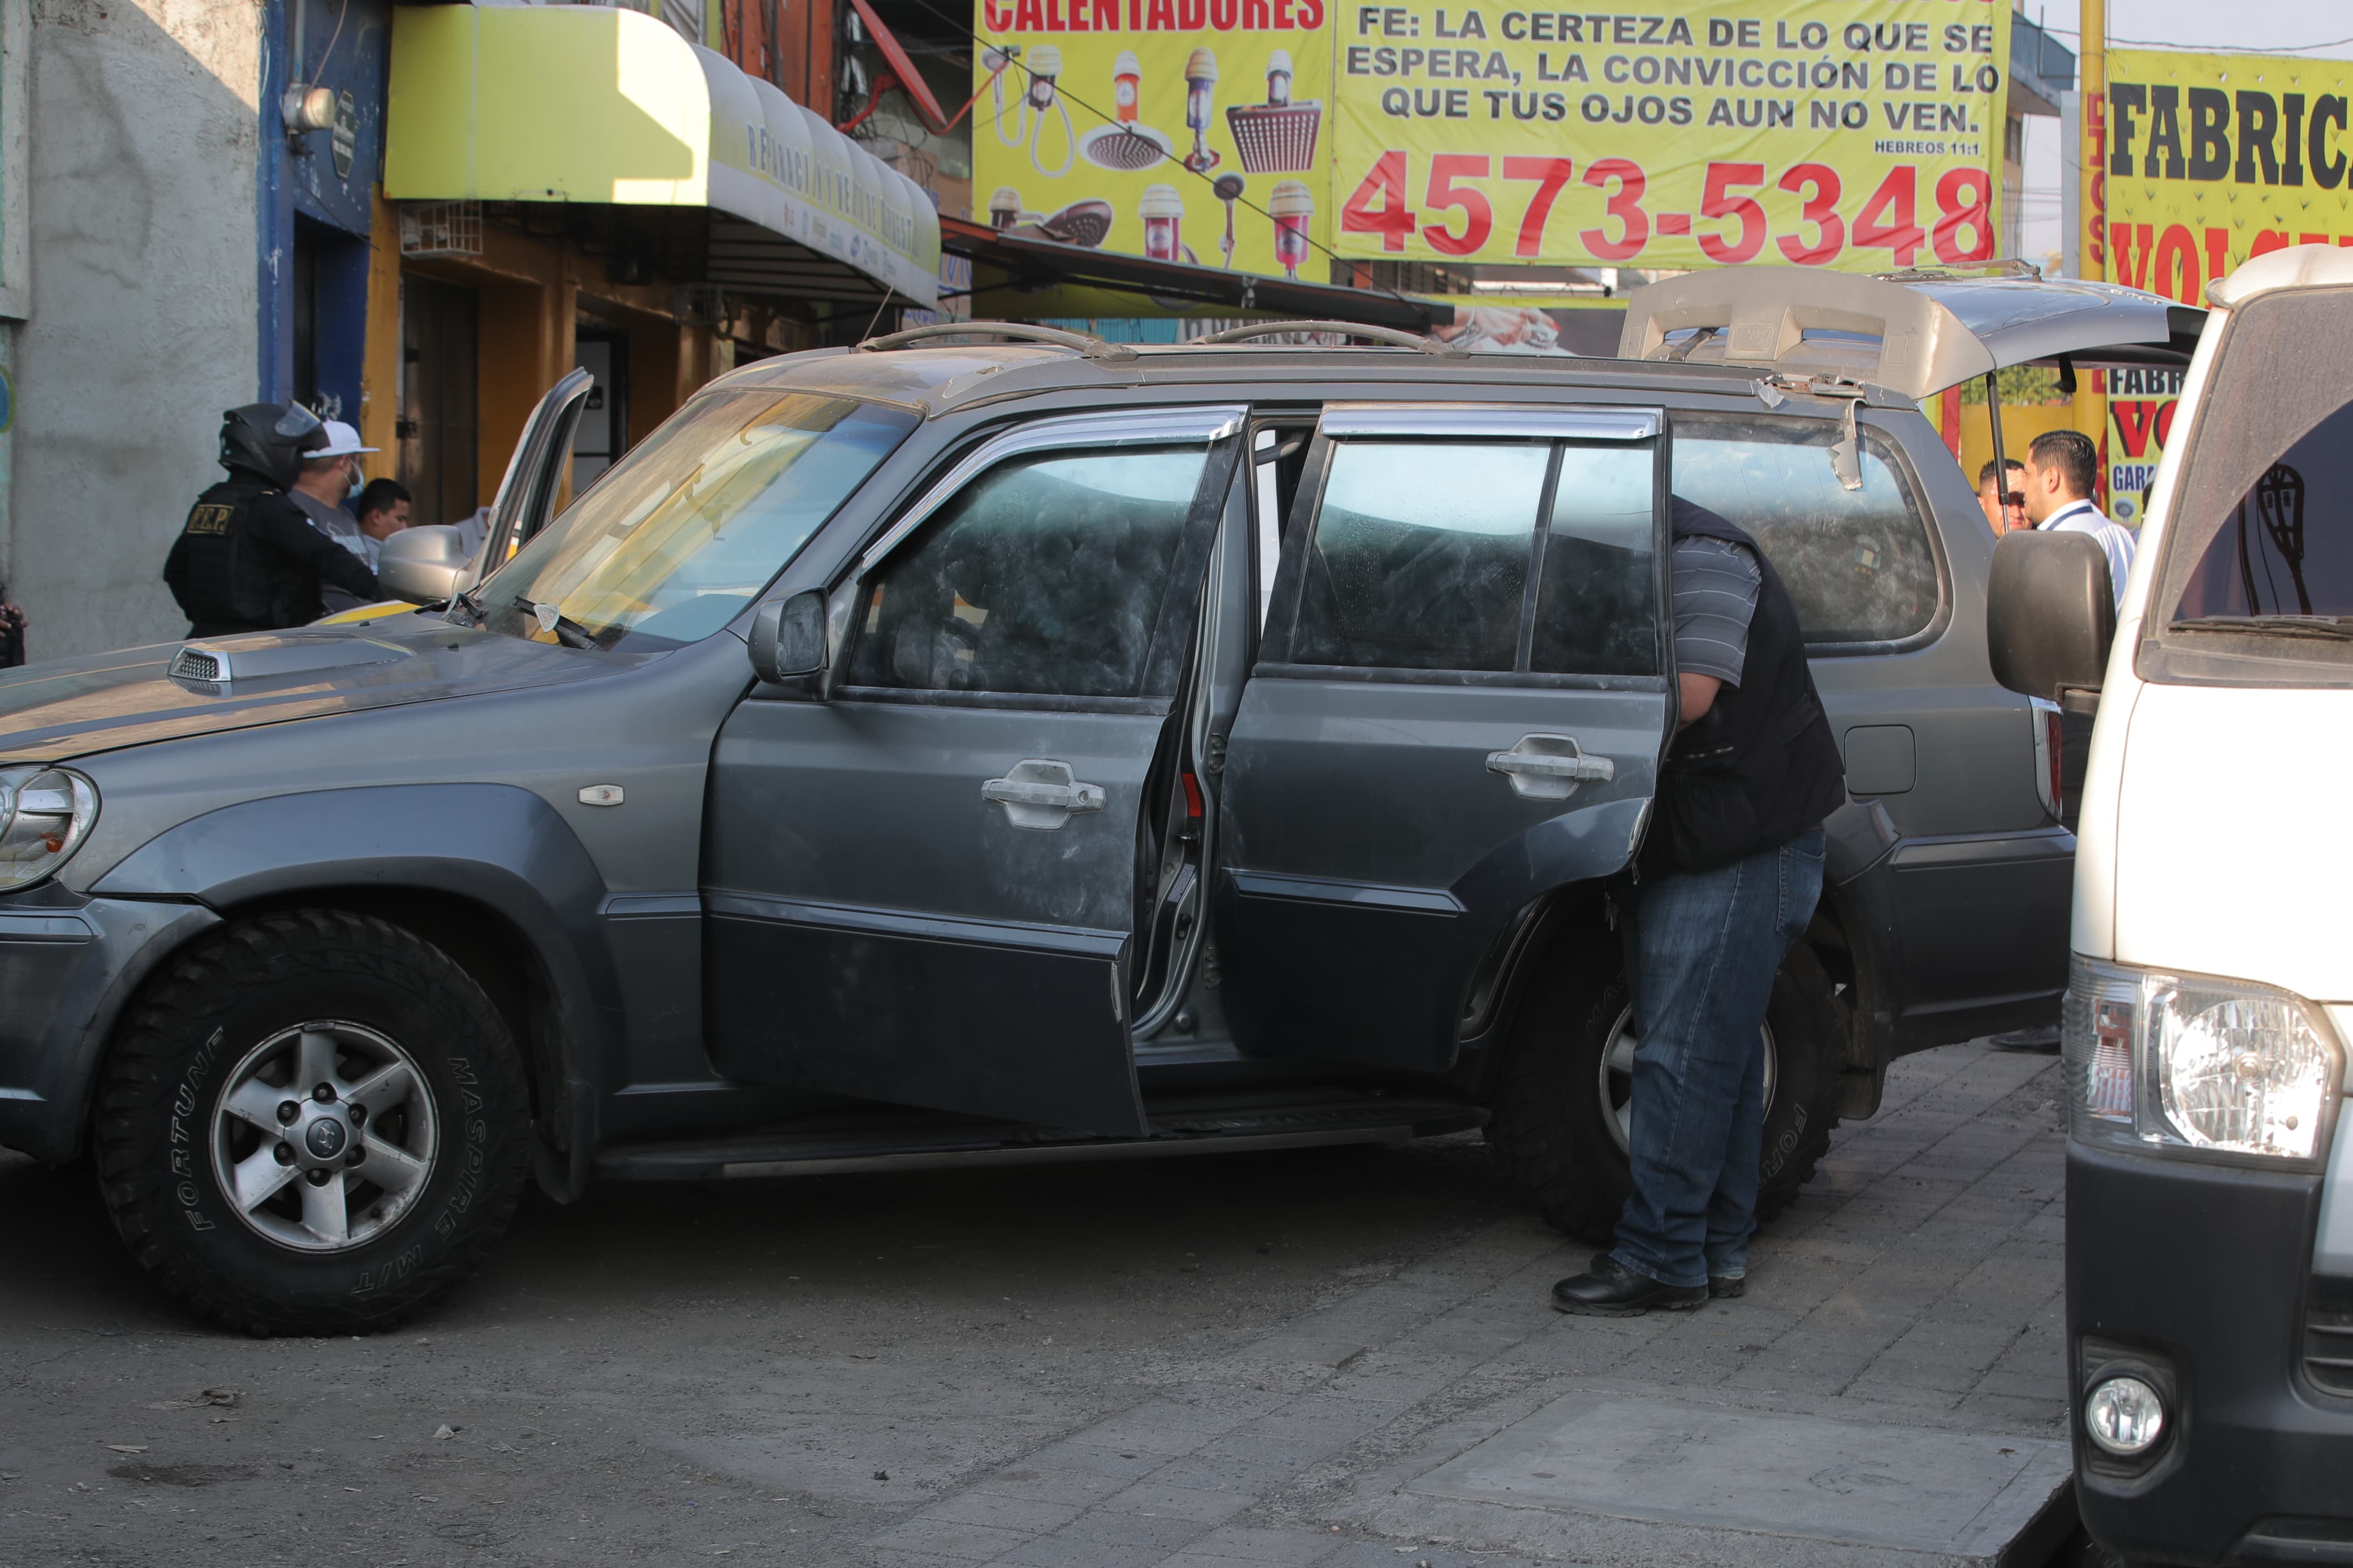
[
  {"x": 1598, "y": 607},
  {"x": 1420, "y": 556},
  {"x": 1857, "y": 563},
  {"x": 1043, "y": 575},
  {"x": 2286, "y": 547}
]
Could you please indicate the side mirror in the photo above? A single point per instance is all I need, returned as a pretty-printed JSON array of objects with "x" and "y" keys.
[
  {"x": 425, "y": 565},
  {"x": 2051, "y": 613},
  {"x": 788, "y": 639}
]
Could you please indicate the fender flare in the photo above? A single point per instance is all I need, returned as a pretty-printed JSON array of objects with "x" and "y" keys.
[
  {"x": 1859, "y": 896},
  {"x": 496, "y": 846}
]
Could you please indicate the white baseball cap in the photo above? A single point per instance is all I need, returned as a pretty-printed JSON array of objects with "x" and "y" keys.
[{"x": 343, "y": 441}]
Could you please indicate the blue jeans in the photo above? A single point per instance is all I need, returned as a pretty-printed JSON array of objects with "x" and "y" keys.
[{"x": 1701, "y": 951}]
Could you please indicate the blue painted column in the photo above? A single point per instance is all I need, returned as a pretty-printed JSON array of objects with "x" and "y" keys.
[
  {"x": 274, "y": 215},
  {"x": 316, "y": 191}
]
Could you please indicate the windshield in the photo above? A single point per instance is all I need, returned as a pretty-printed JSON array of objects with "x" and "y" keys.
[
  {"x": 677, "y": 539},
  {"x": 2285, "y": 548},
  {"x": 2257, "y": 581}
]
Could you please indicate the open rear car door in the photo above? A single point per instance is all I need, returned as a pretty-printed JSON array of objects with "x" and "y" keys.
[{"x": 1460, "y": 703}]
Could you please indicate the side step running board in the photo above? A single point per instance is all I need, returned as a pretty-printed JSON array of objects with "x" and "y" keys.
[{"x": 1198, "y": 1129}]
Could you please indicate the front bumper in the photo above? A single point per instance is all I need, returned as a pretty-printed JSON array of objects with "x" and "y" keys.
[
  {"x": 67, "y": 967},
  {"x": 2204, "y": 1272}
]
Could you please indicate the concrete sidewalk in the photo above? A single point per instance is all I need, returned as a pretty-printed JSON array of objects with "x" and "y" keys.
[{"x": 1889, "y": 1391}]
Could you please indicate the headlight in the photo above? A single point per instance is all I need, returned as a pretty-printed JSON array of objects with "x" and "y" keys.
[
  {"x": 45, "y": 813},
  {"x": 2187, "y": 1063}
]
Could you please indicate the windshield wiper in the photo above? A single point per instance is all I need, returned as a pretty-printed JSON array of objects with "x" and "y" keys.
[
  {"x": 464, "y": 599},
  {"x": 2339, "y": 627},
  {"x": 568, "y": 631}
]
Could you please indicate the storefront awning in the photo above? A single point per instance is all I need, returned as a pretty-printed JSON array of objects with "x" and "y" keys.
[{"x": 596, "y": 103}]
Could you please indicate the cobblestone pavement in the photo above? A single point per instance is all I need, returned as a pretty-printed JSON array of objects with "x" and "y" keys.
[{"x": 1335, "y": 1358}]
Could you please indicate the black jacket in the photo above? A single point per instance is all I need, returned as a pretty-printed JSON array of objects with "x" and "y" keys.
[
  {"x": 248, "y": 560},
  {"x": 1760, "y": 767}
]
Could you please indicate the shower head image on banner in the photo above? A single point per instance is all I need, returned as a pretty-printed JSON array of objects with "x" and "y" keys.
[
  {"x": 1219, "y": 101},
  {"x": 1124, "y": 144},
  {"x": 1277, "y": 137},
  {"x": 1163, "y": 212},
  {"x": 1229, "y": 189},
  {"x": 1035, "y": 75},
  {"x": 1293, "y": 206},
  {"x": 1200, "y": 87},
  {"x": 1083, "y": 222}
]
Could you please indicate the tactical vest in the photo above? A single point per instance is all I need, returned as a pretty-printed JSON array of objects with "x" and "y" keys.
[
  {"x": 224, "y": 575},
  {"x": 1761, "y": 766}
]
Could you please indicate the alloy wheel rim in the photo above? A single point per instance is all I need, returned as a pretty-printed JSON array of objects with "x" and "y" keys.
[
  {"x": 1615, "y": 1077},
  {"x": 324, "y": 1136}
]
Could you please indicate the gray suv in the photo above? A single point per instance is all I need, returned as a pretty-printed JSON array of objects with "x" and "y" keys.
[{"x": 949, "y": 751}]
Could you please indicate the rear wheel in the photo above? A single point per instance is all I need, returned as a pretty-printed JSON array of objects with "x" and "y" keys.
[
  {"x": 314, "y": 1122},
  {"x": 1564, "y": 1103}
]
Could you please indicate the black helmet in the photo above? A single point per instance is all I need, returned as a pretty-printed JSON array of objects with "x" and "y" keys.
[{"x": 267, "y": 441}]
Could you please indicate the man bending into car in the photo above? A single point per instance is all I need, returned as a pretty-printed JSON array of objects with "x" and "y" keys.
[{"x": 1727, "y": 880}]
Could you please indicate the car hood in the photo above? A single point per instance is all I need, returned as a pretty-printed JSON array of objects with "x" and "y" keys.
[{"x": 50, "y": 712}]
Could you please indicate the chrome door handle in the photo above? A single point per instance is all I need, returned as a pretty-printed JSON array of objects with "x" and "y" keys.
[
  {"x": 1549, "y": 767},
  {"x": 1042, "y": 794}
]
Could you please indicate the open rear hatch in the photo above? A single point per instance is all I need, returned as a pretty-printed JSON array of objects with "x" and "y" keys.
[{"x": 1913, "y": 332}]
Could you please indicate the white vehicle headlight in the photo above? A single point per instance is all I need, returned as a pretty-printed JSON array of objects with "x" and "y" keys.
[
  {"x": 2185, "y": 1063},
  {"x": 45, "y": 813}
]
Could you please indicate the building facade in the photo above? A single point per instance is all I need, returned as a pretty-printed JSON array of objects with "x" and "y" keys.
[
  {"x": 132, "y": 176},
  {"x": 205, "y": 203}
]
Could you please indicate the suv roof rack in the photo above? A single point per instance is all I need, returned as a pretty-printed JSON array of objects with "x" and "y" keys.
[
  {"x": 1386, "y": 336},
  {"x": 1085, "y": 345},
  {"x": 1915, "y": 334}
]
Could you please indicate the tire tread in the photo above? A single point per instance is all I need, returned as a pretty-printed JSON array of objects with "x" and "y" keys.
[{"x": 169, "y": 1016}]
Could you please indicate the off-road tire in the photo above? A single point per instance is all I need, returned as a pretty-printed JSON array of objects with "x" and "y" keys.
[
  {"x": 1548, "y": 1130},
  {"x": 166, "y": 1075}
]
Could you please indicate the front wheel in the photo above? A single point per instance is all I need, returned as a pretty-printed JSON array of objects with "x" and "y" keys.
[
  {"x": 314, "y": 1122},
  {"x": 1564, "y": 1103}
]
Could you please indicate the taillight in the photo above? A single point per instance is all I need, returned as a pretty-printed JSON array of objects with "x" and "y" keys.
[{"x": 2049, "y": 756}]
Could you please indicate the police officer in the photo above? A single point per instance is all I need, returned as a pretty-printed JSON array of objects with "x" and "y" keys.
[{"x": 248, "y": 560}]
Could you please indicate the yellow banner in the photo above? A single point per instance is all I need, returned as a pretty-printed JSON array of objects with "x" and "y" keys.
[
  {"x": 2213, "y": 159},
  {"x": 2140, "y": 421},
  {"x": 1187, "y": 129},
  {"x": 1845, "y": 133}
]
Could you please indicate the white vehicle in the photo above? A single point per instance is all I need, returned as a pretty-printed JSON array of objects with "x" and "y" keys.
[{"x": 2209, "y": 1181}]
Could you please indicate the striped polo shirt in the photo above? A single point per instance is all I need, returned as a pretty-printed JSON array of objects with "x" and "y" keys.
[{"x": 1715, "y": 587}]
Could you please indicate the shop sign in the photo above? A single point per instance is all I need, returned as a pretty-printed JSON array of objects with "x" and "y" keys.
[
  {"x": 2211, "y": 159},
  {"x": 2215, "y": 159},
  {"x": 1818, "y": 132},
  {"x": 2141, "y": 404},
  {"x": 1194, "y": 130}
]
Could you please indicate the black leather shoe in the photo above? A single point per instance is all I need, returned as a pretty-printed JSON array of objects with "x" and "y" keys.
[
  {"x": 1610, "y": 1290},
  {"x": 1724, "y": 1287}
]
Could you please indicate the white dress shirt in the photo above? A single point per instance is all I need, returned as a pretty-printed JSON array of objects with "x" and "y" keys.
[{"x": 2117, "y": 541}]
